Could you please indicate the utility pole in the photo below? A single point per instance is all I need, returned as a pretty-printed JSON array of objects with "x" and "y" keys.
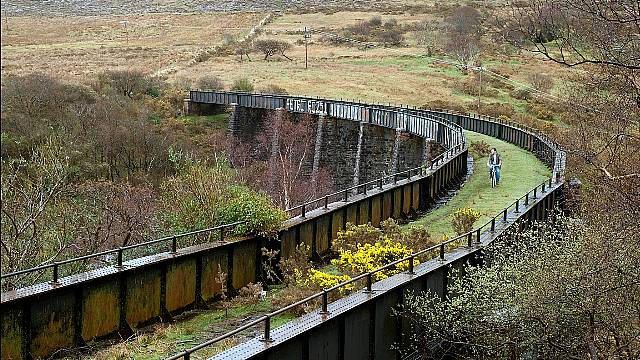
[
  {"x": 479, "y": 68},
  {"x": 6, "y": 20},
  {"x": 307, "y": 35}
]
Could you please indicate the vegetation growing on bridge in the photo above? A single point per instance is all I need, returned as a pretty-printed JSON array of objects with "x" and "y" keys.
[{"x": 521, "y": 172}]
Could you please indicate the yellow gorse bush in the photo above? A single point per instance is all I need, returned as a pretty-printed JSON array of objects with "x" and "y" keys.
[
  {"x": 368, "y": 257},
  {"x": 463, "y": 220},
  {"x": 324, "y": 280}
]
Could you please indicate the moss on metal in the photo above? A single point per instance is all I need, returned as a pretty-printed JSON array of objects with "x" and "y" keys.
[
  {"x": 212, "y": 263},
  {"x": 244, "y": 264},
  {"x": 52, "y": 324},
  {"x": 11, "y": 340},
  {"x": 100, "y": 309},
  {"x": 142, "y": 299},
  {"x": 180, "y": 288}
]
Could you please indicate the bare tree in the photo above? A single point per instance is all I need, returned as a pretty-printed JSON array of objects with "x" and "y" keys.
[
  {"x": 580, "y": 32},
  {"x": 29, "y": 192},
  {"x": 272, "y": 47},
  {"x": 464, "y": 29}
]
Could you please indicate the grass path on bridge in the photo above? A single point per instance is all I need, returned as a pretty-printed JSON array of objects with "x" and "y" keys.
[
  {"x": 162, "y": 340},
  {"x": 521, "y": 171}
]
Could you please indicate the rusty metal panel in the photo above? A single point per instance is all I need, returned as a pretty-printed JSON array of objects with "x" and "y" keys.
[
  {"x": 363, "y": 212},
  {"x": 416, "y": 195},
  {"x": 324, "y": 342},
  {"x": 352, "y": 213},
  {"x": 357, "y": 324},
  {"x": 387, "y": 205},
  {"x": 142, "y": 299},
  {"x": 322, "y": 234},
  {"x": 181, "y": 284},
  {"x": 100, "y": 309},
  {"x": 212, "y": 264},
  {"x": 288, "y": 242},
  {"x": 244, "y": 263},
  {"x": 52, "y": 324},
  {"x": 12, "y": 334},
  {"x": 376, "y": 210},
  {"x": 386, "y": 326},
  {"x": 336, "y": 223},
  {"x": 406, "y": 198},
  {"x": 307, "y": 234},
  {"x": 397, "y": 203}
]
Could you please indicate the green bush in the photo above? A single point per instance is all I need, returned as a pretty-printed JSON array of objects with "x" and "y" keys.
[
  {"x": 480, "y": 149},
  {"x": 274, "y": 89},
  {"x": 253, "y": 207},
  {"x": 539, "y": 110},
  {"x": 463, "y": 220},
  {"x": 209, "y": 82},
  {"x": 242, "y": 84},
  {"x": 203, "y": 195}
]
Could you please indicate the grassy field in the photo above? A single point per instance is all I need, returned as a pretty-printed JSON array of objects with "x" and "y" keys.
[
  {"x": 521, "y": 171},
  {"x": 77, "y": 48}
]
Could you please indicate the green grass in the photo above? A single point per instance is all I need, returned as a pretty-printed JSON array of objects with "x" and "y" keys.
[
  {"x": 190, "y": 330},
  {"x": 521, "y": 171},
  {"x": 414, "y": 65},
  {"x": 218, "y": 121}
]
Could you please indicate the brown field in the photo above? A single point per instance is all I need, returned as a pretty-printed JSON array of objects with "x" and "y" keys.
[{"x": 77, "y": 48}]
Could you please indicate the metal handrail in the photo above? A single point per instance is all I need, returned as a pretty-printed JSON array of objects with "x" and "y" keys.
[
  {"x": 120, "y": 250},
  {"x": 376, "y": 182},
  {"x": 185, "y": 354}
]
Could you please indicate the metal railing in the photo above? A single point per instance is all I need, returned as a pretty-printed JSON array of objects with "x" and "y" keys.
[
  {"x": 344, "y": 194},
  {"x": 119, "y": 252},
  {"x": 470, "y": 239}
]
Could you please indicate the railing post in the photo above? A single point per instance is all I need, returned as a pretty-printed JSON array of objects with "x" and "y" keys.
[
  {"x": 504, "y": 215},
  {"x": 442, "y": 252},
  {"x": 381, "y": 184},
  {"x": 478, "y": 235},
  {"x": 267, "y": 329},
  {"x": 326, "y": 202},
  {"x": 543, "y": 188},
  {"x": 409, "y": 174},
  {"x": 174, "y": 245},
  {"x": 346, "y": 195},
  {"x": 119, "y": 259},
  {"x": 535, "y": 192},
  {"x": 365, "y": 189},
  {"x": 325, "y": 302},
  {"x": 395, "y": 179},
  {"x": 518, "y": 206},
  {"x": 526, "y": 199},
  {"x": 369, "y": 282},
  {"x": 55, "y": 281},
  {"x": 222, "y": 233},
  {"x": 493, "y": 224},
  {"x": 304, "y": 211},
  {"x": 411, "y": 265},
  {"x": 550, "y": 179},
  {"x": 469, "y": 240}
]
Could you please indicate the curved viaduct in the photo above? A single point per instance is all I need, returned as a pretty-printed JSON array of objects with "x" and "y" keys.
[{"x": 73, "y": 309}]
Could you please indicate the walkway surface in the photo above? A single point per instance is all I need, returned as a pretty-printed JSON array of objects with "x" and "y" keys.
[{"x": 521, "y": 171}]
